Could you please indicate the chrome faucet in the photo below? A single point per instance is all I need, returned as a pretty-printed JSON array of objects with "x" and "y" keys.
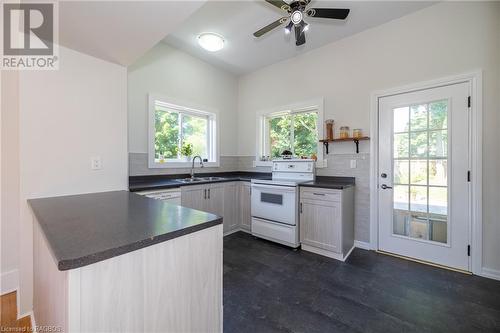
[{"x": 192, "y": 166}]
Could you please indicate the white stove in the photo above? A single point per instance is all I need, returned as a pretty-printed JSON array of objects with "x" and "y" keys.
[{"x": 275, "y": 202}]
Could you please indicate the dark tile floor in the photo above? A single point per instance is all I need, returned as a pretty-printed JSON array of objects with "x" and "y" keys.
[{"x": 271, "y": 288}]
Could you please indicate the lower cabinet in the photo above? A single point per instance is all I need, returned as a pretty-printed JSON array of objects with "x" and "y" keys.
[
  {"x": 217, "y": 198},
  {"x": 231, "y": 210},
  {"x": 245, "y": 208},
  {"x": 327, "y": 221}
]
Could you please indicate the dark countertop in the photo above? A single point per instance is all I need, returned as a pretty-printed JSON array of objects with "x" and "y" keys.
[
  {"x": 87, "y": 228},
  {"x": 336, "y": 183},
  {"x": 153, "y": 182},
  {"x": 156, "y": 182}
]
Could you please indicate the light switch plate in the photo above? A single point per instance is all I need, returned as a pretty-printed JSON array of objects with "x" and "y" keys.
[
  {"x": 353, "y": 164},
  {"x": 96, "y": 163}
]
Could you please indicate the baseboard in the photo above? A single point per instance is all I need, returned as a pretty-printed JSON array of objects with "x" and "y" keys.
[
  {"x": 326, "y": 253},
  {"x": 362, "y": 245},
  {"x": 231, "y": 232},
  {"x": 236, "y": 230},
  {"x": 33, "y": 322},
  {"x": 490, "y": 273},
  {"x": 9, "y": 281}
]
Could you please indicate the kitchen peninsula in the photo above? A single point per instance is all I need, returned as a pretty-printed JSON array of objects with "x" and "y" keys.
[{"x": 117, "y": 261}]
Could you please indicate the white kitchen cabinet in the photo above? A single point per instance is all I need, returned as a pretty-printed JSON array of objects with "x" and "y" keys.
[
  {"x": 245, "y": 216},
  {"x": 216, "y": 198},
  {"x": 194, "y": 197},
  {"x": 231, "y": 207},
  {"x": 327, "y": 221}
]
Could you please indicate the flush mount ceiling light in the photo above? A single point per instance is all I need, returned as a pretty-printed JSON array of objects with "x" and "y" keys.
[{"x": 211, "y": 41}]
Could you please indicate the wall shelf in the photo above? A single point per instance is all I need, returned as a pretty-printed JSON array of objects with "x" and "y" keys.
[{"x": 327, "y": 142}]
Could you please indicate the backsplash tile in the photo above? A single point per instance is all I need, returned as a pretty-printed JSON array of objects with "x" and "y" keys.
[{"x": 338, "y": 165}]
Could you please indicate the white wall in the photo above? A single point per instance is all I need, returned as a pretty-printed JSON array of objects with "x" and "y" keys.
[
  {"x": 168, "y": 71},
  {"x": 441, "y": 40},
  {"x": 9, "y": 181},
  {"x": 67, "y": 116}
]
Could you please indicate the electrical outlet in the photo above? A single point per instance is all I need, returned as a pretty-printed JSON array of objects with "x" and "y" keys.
[
  {"x": 353, "y": 164},
  {"x": 96, "y": 163}
]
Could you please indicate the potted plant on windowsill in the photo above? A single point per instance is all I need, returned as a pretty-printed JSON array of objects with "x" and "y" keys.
[{"x": 187, "y": 151}]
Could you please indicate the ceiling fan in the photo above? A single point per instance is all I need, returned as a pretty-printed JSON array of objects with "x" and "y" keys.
[{"x": 295, "y": 13}]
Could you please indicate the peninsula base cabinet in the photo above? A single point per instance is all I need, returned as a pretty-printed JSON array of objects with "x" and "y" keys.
[
  {"x": 173, "y": 286},
  {"x": 224, "y": 199},
  {"x": 327, "y": 221}
]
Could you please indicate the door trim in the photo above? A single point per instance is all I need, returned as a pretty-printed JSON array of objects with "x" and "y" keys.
[{"x": 475, "y": 80}]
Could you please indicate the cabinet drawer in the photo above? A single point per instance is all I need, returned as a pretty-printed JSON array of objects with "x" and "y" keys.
[{"x": 314, "y": 193}]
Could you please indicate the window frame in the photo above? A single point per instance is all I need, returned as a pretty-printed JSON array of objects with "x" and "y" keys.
[
  {"x": 189, "y": 109},
  {"x": 263, "y": 145}
]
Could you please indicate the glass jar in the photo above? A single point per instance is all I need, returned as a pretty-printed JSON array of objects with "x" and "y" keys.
[
  {"x": 344, "y": 132},
  {"x": 329, "y": 129},
  {"x": 357, "y": 133}
]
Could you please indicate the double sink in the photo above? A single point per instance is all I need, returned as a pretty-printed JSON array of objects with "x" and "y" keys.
[{"x": 200, "y": 179}]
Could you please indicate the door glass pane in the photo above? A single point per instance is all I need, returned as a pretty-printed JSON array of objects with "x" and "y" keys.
[
  {"x": 438, "y": 115},
  {"x": 420, "y": 171},
  {"x": 401, "y": 119},
  {"x": 418, "y": 199},
  {"x": 418, "y": 117},
  {"x": 401, "y": 172},
  {"x": 438, "y": 172},
  {"x": 418, "y": 144},
  {"x": 401, "y": 143},
  {"x": 438, "y": 143}
]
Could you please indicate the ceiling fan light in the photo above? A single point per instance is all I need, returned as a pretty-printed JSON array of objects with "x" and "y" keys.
[
  {"x": 288, "y": 27},
  {"x": 210, "y": 41},
  {"x": 305, "y": 27},
  {"x": 296, "y": 17}
]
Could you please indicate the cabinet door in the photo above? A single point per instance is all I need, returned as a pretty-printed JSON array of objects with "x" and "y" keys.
[
  {"x": 245, "y": 211},
  {"x": 193, "y": 197},
  {"x": 230, "y": 206},
  {"x": 215, "y": 199},
  {"x": 320, "y": 225}
]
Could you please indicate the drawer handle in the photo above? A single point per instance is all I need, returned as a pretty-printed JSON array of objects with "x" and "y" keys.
[{"x": 322, "y": 194}]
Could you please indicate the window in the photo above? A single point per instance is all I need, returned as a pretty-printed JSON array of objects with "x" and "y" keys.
[
  {"x": 175, "y": 130},
  {"x": 297, "y": 129}
]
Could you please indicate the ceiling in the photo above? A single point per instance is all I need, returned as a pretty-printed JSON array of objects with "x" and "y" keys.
[
  {"x": 119, "y": 31},
  {"x": 237, "y": 20}
]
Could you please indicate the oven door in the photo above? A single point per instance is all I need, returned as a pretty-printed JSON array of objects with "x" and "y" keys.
[{"x": 275, "y": 203}]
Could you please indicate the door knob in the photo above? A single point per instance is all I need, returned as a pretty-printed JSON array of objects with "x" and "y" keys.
[
  {"x": 384, "y": 175},
  {"x": 384, "y": 187}
]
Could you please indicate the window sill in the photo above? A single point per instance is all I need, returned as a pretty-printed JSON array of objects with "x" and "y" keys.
[{"x": 181, "y": 165}]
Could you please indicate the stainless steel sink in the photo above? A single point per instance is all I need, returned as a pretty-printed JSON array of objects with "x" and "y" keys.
[{"x": 199, "y": 179}]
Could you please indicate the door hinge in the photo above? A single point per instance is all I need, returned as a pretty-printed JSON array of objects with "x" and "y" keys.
[
  {"x": 468, "y": 176},
  {"x": 301, "y": 208},
  {"x": 468, "y": 250},
  {"x": 468, "y": 102}
]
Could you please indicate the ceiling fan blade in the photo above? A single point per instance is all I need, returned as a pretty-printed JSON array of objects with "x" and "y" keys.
[
  {"x": 270, "y": 27},
  {"x": 330, "y": 13},
  {"x": 280, "y": 4},
  {"x": 300, "y": 36}
]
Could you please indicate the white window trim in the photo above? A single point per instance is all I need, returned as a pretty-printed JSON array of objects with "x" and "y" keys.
[
  {"x": 186, "y": 107},
  {"x": 313, "y": 104}
]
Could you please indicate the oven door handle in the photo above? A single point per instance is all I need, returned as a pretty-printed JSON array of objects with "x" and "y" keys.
[{"x": 274, "y": 187}]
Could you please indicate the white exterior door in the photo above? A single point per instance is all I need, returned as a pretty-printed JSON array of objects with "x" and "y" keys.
[{"x": 423, "y": 186}]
